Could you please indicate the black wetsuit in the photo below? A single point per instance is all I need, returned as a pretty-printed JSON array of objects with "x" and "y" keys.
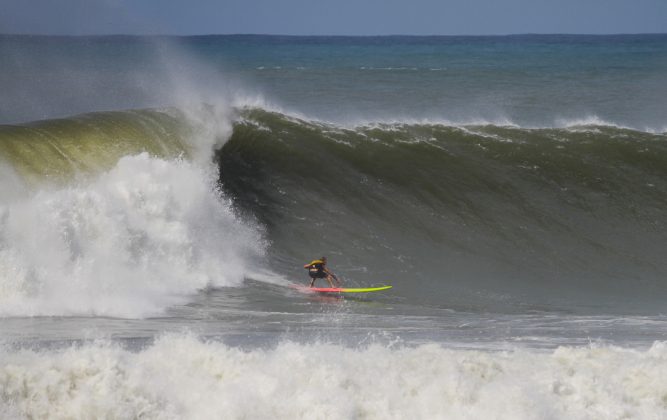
[{"x": 316, "y": 270}]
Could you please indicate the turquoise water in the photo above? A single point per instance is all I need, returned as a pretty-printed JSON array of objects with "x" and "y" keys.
[{"x": 547, "y": 80}]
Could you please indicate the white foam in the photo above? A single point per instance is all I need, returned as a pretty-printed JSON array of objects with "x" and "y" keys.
[
  {"x": 591, "y": 120},
  {"x": 142, "y": 237},
  {"x": 12, "y": 185},
  {"x": 182, "y": 377},
  {"x": 139, "y": 238},
  {"x": 586, "y": 123},
  {"x": 386, "y": 123}
]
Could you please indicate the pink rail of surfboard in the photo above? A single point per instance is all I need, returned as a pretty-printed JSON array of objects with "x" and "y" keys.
[{"x": 340, "y": 289}]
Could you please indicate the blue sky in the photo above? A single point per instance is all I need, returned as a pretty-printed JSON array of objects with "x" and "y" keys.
[{"x": 332, "y": 17}]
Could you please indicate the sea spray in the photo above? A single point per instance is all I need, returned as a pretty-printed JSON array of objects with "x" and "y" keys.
[{"x": 136, "y": 240}]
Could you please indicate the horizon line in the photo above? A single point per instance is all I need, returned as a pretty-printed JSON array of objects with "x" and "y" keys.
[{"x": 334, "y": 36}]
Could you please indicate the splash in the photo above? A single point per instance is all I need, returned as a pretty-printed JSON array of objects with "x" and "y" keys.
[
  {"x": 139, "y": 238},
  {"x": 182, "y": 377}
]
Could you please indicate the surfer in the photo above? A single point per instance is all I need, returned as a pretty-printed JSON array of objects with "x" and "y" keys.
[{"x": 317, "y": 269}]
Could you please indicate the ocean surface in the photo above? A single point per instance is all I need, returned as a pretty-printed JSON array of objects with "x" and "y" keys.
[{"x": 160, "y": 195}]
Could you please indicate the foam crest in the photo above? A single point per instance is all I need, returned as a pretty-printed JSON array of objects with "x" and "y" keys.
[
  {"x": 395, "y": 122},
  {"x": 182, "y": 377},
  {"x": 141, "y": 237}
]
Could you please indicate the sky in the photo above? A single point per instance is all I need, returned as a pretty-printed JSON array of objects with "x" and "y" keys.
[{"x": 332, "y": 17}]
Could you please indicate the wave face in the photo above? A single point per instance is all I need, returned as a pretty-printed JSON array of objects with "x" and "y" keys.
[
  {"x": 473, "y": 216},
  {"x": 116, "y": 216},
  {"x": 468, "y": 213}
]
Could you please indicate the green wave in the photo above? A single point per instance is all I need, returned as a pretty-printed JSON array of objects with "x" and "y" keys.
[
  {"x": 62, "y": 149},
  {"x": 579, "y": 210},
  {"x": 482, "y": 208},
  {"x": 448, "y": 165}
]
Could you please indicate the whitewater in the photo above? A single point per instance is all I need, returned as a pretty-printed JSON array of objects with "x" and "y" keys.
[{"x": 159, "y": 196}]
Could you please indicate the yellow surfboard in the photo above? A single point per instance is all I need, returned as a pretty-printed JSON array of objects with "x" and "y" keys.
[{"x": 342, "y": 289}]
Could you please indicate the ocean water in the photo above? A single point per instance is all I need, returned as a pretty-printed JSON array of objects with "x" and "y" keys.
[{"x": 160, "y": 195}]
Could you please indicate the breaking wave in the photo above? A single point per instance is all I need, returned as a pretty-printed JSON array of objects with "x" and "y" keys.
[
  {"x": 183, "y": 377},
  {"x": 449, "y": 211},
  {"x": 117, "y": 217},
  {"x": 136, "y": 204}
]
